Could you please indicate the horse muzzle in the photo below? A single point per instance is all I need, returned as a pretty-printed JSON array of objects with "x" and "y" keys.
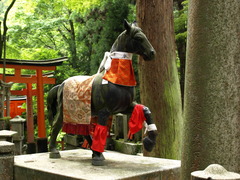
[{"x": 149, "y": 56}]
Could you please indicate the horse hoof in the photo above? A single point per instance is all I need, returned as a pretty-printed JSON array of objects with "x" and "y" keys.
[
  {"x": 148, "y": 144},
  {"x": 54, "y": 155},
  {"x": 101, "y": 157},
  {"x": 97, "y": 162},
  {"x": 97, "y": 159}
]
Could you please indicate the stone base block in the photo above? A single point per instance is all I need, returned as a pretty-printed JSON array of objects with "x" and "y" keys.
[
  {"x": 76, "y": 165},
  {"x": 6, "y": 160}
]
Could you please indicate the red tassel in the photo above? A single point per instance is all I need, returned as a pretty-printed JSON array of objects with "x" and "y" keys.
[{"x": 137, "y": 118}]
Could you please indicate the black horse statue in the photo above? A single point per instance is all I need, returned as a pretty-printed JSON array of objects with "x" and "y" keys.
[{"x": 107, "y": 98}]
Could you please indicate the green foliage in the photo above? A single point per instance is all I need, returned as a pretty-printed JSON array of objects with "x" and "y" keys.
[
  {"x": 12, "y": 52},
  {"x": 103, "y": 24},
  {"x": 64, "y": 72},
  {"x": 82, "y": 6},
  {"x": 38, "y": 53},
  {"x": 180, "y": 23},
  {"x": 18, "y": 86}
]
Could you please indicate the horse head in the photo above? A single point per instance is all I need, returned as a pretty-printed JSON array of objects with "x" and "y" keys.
[{"x": 133, "y": 40}]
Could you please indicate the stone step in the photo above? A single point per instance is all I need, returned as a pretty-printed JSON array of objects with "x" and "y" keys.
[{"x": 76, "y": 165}]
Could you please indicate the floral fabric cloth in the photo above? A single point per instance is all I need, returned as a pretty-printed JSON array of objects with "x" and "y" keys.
[{"x": 77, "y": 100}]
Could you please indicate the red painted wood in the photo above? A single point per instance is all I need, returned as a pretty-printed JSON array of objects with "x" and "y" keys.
[
  {"x": 15, "y": 108},
  {"x": 40, "y": 105},
  {"x": 29, "y": 67},
  {"x": 23, "y": 92},
  {"x": 30, "y": 123},
  {"x": 32, "y": 79}
]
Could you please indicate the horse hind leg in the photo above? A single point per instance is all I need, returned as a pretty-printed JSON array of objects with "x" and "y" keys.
[
  {"x": 54, "y": 153},
  {"x": 56, "y": 126},
  {"x": 52, "y": 104}
]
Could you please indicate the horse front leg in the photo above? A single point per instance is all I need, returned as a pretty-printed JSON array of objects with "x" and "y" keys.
[
  {"x": 150, "y": 140},
  {"x": 139, "y": 114},
  {"x": 99, "y": 138}
]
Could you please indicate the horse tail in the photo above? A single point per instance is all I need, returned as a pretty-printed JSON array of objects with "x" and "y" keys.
[{"x": 52, "y": 104}]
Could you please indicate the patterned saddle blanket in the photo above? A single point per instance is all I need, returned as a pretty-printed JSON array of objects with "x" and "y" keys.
[{"x": 77, "y": 104}]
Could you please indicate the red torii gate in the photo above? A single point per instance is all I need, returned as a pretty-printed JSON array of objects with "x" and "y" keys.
[{"x": 39, "y": 78}]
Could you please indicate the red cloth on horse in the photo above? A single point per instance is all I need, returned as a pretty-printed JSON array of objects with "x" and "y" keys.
[
  {"x": 82, "y": 129},
  {"x": 99, "y": 138},
  {"x": 136, "y": 120},
  {"x": 121, "y": 72}
]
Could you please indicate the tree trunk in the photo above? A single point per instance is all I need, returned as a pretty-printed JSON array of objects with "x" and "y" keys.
[
  {"x": 212, "y": 94},
  {"x": 72, "y": 44},
  {"x": 159, "y": 84}
]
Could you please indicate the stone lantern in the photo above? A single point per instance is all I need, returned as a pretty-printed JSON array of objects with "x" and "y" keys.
[{"x": 17, "y": 124}]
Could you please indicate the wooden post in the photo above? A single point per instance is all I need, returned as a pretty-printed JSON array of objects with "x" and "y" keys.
[
  {"x": 8, "y": 94},
  {"x": 40, "y": 104},
  {"x": 30, "y": 124},
  {"x": 1, "y": 100}
]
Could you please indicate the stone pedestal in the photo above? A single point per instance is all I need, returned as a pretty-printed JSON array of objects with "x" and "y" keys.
[
  {"x": 120, "y": 126},
  {"x": 214, "y": 172},
  {"x": 6, "y": 135},
  {"x": 6, "y": 160},
  {"x": 76, "y": 165},
  {"x": 17, "y": 124},
  {"x": 2, "y": 124}
]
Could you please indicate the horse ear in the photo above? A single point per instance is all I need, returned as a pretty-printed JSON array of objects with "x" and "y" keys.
[{"x": 127, "y": 25}]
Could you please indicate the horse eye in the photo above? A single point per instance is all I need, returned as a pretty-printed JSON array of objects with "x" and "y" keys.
[{"x": 137, "y": 38}]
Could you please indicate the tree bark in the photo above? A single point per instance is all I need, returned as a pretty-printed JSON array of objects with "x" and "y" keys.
[
  {"x": 5, "y": 28},
  {"x": 72, "y": 44},
  {"x": 159, "y": 83},
  {"x": 212, "y": 94}
]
